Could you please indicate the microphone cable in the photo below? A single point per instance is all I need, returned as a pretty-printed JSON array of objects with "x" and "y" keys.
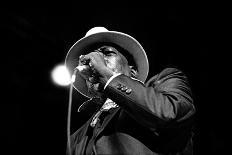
[{"x": 69, "y": 113}]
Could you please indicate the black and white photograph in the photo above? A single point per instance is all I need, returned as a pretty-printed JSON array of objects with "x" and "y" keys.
[{"x": 114, "y": 79}]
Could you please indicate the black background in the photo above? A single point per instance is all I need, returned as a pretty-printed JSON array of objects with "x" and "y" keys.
[{"x": 33, "y": 111}]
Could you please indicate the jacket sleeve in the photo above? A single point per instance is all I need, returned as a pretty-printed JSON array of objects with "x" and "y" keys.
[{"x": 165, "y": 99}]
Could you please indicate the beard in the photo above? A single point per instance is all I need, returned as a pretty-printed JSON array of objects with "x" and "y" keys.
[{"x": 94, "y": 88}]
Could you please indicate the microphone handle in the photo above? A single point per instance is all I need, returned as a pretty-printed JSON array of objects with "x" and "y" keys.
[
  {"x": 86, "y": 70},
  {"x": 82, "y": 67}
]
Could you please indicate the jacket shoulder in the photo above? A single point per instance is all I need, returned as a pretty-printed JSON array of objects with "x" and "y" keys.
[{"x": 165, "y": 73}]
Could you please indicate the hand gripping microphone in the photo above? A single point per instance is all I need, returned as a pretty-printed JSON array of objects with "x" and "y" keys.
[
  {"x": 83, "y": 64},
  {"x": 83, "y": 67}
]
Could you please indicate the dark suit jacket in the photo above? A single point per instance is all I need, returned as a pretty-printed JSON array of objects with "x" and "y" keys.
[{"x": 152, "y": 118}]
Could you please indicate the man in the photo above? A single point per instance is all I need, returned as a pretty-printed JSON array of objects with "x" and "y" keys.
[{"x": 132, "y": 117}]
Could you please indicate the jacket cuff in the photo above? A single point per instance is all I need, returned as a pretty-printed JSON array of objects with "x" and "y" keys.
[
  {"x": 111, "y": 78},
  {"x": 122, "y": 88}
]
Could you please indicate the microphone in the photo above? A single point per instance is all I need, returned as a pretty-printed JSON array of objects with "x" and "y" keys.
[
  {"x": 84, "y": 68},
  {"x": 83, "y": 64},
  {"x": 80, "y": 68}
]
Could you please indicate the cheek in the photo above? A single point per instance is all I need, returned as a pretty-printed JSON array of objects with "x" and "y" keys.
[{"x": 112, "y": 63}]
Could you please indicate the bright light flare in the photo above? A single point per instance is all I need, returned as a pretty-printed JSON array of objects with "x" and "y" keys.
[{"x": 60, "y": 75}]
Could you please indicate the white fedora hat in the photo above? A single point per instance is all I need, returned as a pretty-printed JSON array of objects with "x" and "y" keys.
[{"x": 97, "y": 37}]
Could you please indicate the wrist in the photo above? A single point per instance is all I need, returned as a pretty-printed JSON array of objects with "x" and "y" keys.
[
  {"x": 107, "y": 75},
  {"x": 107, "y": 78},
  {"x": 111, "y": 78}
]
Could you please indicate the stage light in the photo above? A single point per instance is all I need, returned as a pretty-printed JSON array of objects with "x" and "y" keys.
[{"x": 60, "y": 75}]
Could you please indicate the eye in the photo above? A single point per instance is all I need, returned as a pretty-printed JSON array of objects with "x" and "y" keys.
[{"x": 108, "y": 51}]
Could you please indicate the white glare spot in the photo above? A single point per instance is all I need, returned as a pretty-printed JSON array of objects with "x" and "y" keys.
[{"x": 60, "y": 75}]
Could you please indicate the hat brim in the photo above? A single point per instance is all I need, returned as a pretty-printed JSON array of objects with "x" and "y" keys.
[{"x": 83, "y": 46}]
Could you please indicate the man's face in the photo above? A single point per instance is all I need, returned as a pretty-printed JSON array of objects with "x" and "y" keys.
[{"x": 114, "y": 60}]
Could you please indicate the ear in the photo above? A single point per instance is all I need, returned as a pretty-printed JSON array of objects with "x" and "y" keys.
[{"x": 133, "y": 71}]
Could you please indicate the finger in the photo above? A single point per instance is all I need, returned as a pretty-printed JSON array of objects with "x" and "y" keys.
[
  {"x": 95, "y": 58},
  {"x": 88, "y": 56},
  {"x": 81, "y": 56},
  {"x": 92, "y": 57},
  {"x": 92, "y": 54}
]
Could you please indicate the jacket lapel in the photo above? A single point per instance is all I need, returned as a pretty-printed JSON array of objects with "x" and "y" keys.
[
  {"x": 83, "y": 131},
  {"x": 107, "y": 120}
]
